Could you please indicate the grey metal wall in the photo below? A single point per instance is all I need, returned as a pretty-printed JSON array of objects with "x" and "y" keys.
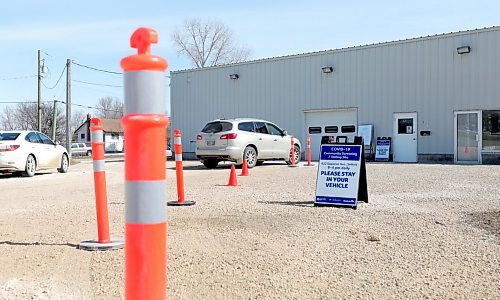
[{"x": 423, "y": 74}]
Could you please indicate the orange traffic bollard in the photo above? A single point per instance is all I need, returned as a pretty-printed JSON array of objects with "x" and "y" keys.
[
  {"x": 309, "y": 151},
  {"x": 244, "y": 169},
  {"x": 145, "y": 176},
  {"x": 179, "y": 172},
  {"x": 233, "y": 181},
  {"x": 101, "y": 199},
  {"x": 292, "y": 153}
]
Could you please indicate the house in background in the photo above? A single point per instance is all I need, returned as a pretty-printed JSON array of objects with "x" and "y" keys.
[{"x": 113, "y": 134}]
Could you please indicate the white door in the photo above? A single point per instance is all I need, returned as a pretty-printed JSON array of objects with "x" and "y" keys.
[
  {"x": 404, "y": 137},
  {"x": 467, "y": 137},
  {"x": 335, "y": 122}
]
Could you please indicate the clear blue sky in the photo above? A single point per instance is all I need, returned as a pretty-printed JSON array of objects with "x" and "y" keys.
[{"x": 96, "y": 33}]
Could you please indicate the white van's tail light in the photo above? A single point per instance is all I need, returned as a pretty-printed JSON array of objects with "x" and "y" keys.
[
  {"x": 8, "y": 148},
  {"x": 199, "y": 137},
  {"x": 229, "y": 136}
]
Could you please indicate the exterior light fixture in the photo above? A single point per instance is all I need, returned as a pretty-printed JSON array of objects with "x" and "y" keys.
[
  {"x": 463, "y": 50},
  {"x": 327, "y": 69},
  {"x": 234, "y": 76}
]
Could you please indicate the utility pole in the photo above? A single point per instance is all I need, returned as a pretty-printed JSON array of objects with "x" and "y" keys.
[
  {"x": 39, "y": 92},
  {"x": 54, "y": 120},
  {"x": 68, "y": 107}
]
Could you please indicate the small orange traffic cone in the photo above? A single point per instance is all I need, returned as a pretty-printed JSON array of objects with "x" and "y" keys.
[
  {"x": 232, "y": 177},
  {"x": 244, "y": 169},
  {"x": 466, "y": 150}
]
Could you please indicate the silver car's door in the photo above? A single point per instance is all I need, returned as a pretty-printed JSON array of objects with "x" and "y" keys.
[
  {"x": 265, "y": 141},
  {"x": 35, "y": 146},
  {"x": 281, "y": 142},
  {"x": 50, "y": 156}
]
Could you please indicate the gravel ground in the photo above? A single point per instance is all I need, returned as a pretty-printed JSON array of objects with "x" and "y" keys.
[{"x": 429, "y": 231}]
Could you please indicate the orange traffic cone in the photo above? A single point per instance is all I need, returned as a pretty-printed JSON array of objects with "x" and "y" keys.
[
  {"x": 232, "y": 177},
  {"x": 466, "y": 150},
  {"x": 244, "y": 169}
]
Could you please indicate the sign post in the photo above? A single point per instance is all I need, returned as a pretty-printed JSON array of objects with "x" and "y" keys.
[{"x": 341, "y": 179}]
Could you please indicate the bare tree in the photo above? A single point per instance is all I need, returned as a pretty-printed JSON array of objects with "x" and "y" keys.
[
  {"x": 77, "y": 120},
  {"x": 23, "y": 116},
  {"x": 109, "y": 108},
  {"x": 208, "y": 43}
]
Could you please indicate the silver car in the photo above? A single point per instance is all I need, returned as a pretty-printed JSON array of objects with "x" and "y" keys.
[
  {"x": 28, "y": 151},
  {"x": 251, "y": 139}
]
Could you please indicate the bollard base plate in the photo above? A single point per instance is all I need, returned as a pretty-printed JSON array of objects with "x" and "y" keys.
[
  {"x": 96, "y": 246},
  {"x": 293, "y": 166},
  {"x": 311, "y": 165},
  {"x": 185, "y": 203}
]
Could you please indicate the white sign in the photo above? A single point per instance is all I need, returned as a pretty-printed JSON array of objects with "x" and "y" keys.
[
  {"x": 366, "y": 131},
  {"x": 338, "y": 175},
  {"x": 382, "y": 150}
]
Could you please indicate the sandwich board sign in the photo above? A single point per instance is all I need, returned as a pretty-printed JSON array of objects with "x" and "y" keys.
[
  {"x": 382, "y": 149},
  {"x": 341, "y": 178}
]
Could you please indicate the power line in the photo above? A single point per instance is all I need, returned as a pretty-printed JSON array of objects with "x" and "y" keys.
[
  {"x": 96, "y": 69},
  {"x": 99, "y": 84},
  {"x": 16, "y": 102},
  {"x": 20, "y": 77},
  {"x": 91, "y": 107},
  {"x": 60, "y": 76},
  {"x": 101, "y": 70}
]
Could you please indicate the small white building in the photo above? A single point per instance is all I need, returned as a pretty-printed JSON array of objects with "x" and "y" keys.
[
  {"x": 113, "y": 134},
  {"x": 437, "y": 97}
]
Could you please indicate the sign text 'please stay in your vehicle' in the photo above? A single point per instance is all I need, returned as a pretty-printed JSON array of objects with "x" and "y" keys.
[{"x": 338, "y": 174}]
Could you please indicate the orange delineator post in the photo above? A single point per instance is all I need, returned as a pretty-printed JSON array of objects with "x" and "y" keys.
[
  {"x": 145, "y": 176},
  {"x": 101, "y": 198},
  {"x": 178, "y": 166},
  {"x": 179, "y": 172},
  {"x": 309, "y": 151},
  {"x": 292, "y": 152}
]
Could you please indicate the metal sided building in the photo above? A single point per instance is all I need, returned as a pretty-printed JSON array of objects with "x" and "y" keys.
[{"x": 438, "y": 97}]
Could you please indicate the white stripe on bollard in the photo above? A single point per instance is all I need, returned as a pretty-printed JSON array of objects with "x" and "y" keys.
[
  {"x": 145, "y": 202},
  {"x": 142, "y": 91},
  {"x": 178, "y": 157},
  {"x": 99, "y": 165},
  {"x": 96, "y": 136},
  {"x": 177, "y": 140}
]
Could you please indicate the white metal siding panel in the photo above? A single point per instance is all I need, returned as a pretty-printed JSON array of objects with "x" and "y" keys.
[{"x": 424, "y": 75}]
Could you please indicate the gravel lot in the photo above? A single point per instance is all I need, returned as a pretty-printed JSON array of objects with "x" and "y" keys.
[{"x": 429, "y": 231}]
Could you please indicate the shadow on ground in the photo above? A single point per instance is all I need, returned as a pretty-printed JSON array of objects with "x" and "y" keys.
[
  {"x": 17, "y": 175},
  {"x": 290, "y": 203},
  {"x": 36, "y": 244}
]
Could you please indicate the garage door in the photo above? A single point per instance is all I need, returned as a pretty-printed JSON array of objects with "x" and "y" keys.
[{"x": 341, "y": 122}]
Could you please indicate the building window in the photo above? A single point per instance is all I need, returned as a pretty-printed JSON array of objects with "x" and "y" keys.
[
  {"x": 82, "y": 135},
  {"x": 314, "y": 130},
  {"x": 491, "y": 130},
  {"x": 348, "y": 129},
  {"x": 405, "y": 126},
  {"x": 331, "y": 129}
]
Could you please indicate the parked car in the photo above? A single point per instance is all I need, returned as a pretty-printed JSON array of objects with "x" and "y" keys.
[
  {"x": 251, "y": 139},
  {"x": 81, "y": 149},
  {"x": 29, "y": 151},
  {"x": 168, "y": 152}
]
